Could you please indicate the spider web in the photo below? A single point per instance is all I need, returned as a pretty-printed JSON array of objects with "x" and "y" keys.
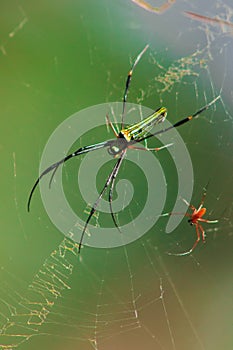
[{"x": 133, "y": 296}]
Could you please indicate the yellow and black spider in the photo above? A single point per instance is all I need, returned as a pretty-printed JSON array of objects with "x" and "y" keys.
[{"x": 126, "y": 137}]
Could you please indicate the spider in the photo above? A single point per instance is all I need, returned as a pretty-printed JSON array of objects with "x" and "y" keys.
[
  {"x": 126, "y": 137},
  {"x": 159, "y": 10},
  {"x": 206, "y": 19},
  {"x": 195, "y": 219}
]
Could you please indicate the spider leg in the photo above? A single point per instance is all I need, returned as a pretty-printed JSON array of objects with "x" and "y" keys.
[
  {"x": 206, "y": 19},
  {"x": 208, "y": 221},
  {"x": 202, "y": 232},
  {"x": 150, "y": 149},
  {"x": 195, "y": 244},
  {"x": 150, "y": 8},
  {"x": 55, "y": 166},
  {"x": 188, "y": 204},
  {"x": 109, "y": 123},
  {"x": 175, "y": 213},
  {"x": 52, "y": 176},
  {"x": 112, "y": 188},
  {"x": 128, "y": 80},
  {"x": 182, "y": 121},
  {"x": 95, "y": 205},
  {"x": 202, "y": 200}
]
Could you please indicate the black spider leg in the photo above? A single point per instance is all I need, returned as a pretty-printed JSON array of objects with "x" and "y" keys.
[
  {"x": 112, "y": 188},
  {"x": 128, "y": 80},
  {"x": 95, "y": 205},
  {"x": 182, "y": 121},
  {"x": 55, "y": 166}
]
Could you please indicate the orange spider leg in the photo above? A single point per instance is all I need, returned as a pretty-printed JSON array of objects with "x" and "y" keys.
[
  {"x": 197, "y": 226},
  {"x": 185, "y": 214},
  {"x": 208, "y": 221},
  {"x": 202, "y": 233},
  {"x": 195, "y": 244},
  {"x": 188, "y": 204},
  {"x": 202, "y": 202},
  {"x": 172, "y": 213},
  {"x": 146, "y": 6},
  {"x": 206, "y": 19}
]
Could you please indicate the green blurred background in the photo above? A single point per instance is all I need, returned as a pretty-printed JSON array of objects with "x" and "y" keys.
[{"x": 57, "y": 58}]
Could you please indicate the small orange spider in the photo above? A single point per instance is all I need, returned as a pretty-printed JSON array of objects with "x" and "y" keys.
[{"x": 194, "y": 219}]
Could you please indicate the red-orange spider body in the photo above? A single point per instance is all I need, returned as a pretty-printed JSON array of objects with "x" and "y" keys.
[
  {"x": 195, "y": 218},
  {"x": 197, "y": 215}
]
